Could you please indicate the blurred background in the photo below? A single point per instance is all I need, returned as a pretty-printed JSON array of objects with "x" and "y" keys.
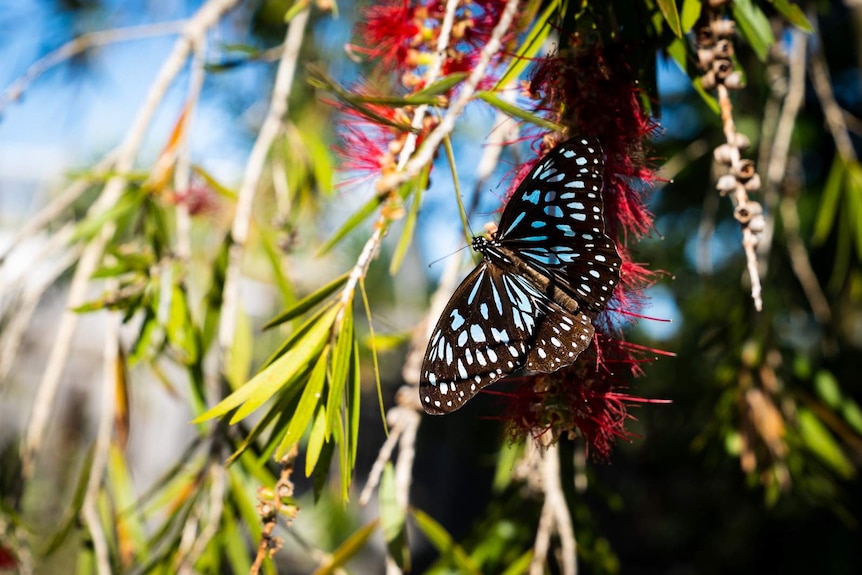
[{"x": 704, "y": 486}]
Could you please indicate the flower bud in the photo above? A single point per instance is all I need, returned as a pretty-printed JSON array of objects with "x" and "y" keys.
[
  {"x": 708, "y": 80},
  {"x": 757, "y": 224},
  {"x": 741, "y": 141}
]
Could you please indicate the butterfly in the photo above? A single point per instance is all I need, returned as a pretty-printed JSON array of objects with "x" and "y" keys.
[{"x": 546, "y": 272}]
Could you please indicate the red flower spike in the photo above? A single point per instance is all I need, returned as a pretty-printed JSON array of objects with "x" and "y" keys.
[{"x": 590, "y": 93}]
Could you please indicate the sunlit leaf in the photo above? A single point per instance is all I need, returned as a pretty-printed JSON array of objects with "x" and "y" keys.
[
  {"x": 340, "y": 369},
  {"x": 827, "y": 388},
  {"x": 316, "y": 439},
  {"x": 409, "y": 223},
  {"x": 689, "y": 14},
  {"x": 530, "y": 47},
  {"x": 308, "y": 302},
  {"x": 311, "y": 398},
  {"x": 278, "y": 374},
  {"x": 352, "y": 222},
  {"x": 351, "y": 546},
  {"x": 517, "y": 112},
  {"x": 794, "y": 14},
  {"x": 671, "y": 15},
  {"x": 754, "y": 26}
]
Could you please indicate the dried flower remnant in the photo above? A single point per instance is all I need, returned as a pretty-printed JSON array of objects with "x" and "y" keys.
[{"x": 713, "y": 36}]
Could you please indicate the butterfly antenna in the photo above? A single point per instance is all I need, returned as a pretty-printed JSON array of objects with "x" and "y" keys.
[{"x": 446, "y": 256}]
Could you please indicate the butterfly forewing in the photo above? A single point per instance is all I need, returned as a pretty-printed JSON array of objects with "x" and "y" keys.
[
  {"x": 484, "y": 333},
  {"x": 555, "y": 221}
]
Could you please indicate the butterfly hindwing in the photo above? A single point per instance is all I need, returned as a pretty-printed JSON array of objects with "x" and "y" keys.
[{"x": 555, "y": 221}]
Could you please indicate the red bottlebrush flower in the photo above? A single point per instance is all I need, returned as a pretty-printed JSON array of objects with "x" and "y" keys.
[
  {"x": 199, "y": 198},
  {"x": 595, "y": 95},
  {"x": 388, "y": 31}
]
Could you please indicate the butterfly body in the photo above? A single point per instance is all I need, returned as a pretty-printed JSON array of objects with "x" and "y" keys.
[{"x": 546, "y": 272}]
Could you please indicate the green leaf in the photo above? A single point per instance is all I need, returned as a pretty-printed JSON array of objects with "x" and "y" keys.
[
  {"x": 671, "y": 16},
  {"x": 690, "y": 14},
  {"x": 530, "y": 47},
  {"x": 854, "y": 203},
  {"x": 852, "y": 415},
  {"x": 217, "y": 186},
  {"x": 520, "y": 565},
  {"x": 442, "y": 85},
  {"x": 392, "y": 520},
  {"x": 357, "y": 218},
  {"x": 516, "y": 112},
  {"x": 179, "y": 328},
  {"x": 275, "y": 255},
  {"x": 353, "y": 394},
  {"x": 242, "y": 351},
  {"x": 316, "y": 439},
  {"x": 444, "y": 543},
  {"x": 307, "y": 302},
  {"x": 793, "y": 14},
  {"x": 93, "y": 224},
  {"x": 279, "y": 374},
  {"x": 707, "y": 97},
  {"x": 821, "y": 443},
  {"x": 829, "y": 201},
  {"x": 340, "y": 368},
  {"x": 351, "y": 546},
  {"x": 410, "y": 222},
  {"x": 297, "y": 7},
  {"x": 754, "y": 26},
  {"x": 308, "y": 404},
  {"x": 827, "y": 388},
  {"x": 507, "y": 458}
]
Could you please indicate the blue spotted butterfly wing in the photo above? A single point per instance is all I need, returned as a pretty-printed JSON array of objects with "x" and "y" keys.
[
  {"x": 527, "y": 304},
  {"x": 555, "y": 221}
]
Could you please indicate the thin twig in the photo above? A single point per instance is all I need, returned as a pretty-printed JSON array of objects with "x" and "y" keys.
[
  {"x": 89, "y": 509},
  {"x": 183, "y": 171},
  {"x": 13, "y": 332},
  {"x": 778, "y": 174},
  {"x": 819, "y": 72},
  {"x": 207, "y": 16},
  {"x": 58, "y": 205},
  {"x": 555, "y": 518},
  {"x": 80, "y": 44},
  {"x": 430, "y": 76},
  {"x": 269, "y": 131}
]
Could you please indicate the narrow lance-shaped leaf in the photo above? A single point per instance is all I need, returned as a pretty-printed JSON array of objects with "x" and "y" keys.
[
  {"x": 340, "y": 369},
  {"x": 444, "y": 543},
  {"x": 316, "y": 439},
  {"x": 308, "y": 302},
  {"x": 754, "y": 25},
  {"x": 671, "y": 16},
  {"x": 357, "y": 218},
  {"x": 392, "y": 519},
  {"x": 406, "y": 238},
  {"x": 311, "y": 398},
  {"x": 351, "y": 546},
  {"x": 530, "y": 47},
  {"x": 277, "y": 375},
  {"x": 516, "y": 112}
]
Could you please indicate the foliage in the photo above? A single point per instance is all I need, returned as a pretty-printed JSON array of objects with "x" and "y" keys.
[{"x": 764, "y": 427}]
